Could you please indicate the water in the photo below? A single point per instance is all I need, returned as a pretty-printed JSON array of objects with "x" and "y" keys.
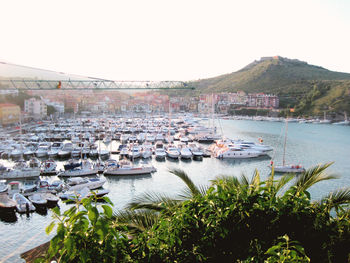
[{"x": 307, "y": 144}]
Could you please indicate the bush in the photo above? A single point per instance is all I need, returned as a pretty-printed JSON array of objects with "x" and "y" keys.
[{"x": 233, "y": 221}]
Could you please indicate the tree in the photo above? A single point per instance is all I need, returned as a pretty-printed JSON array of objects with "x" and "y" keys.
[{"x": 50, "y": 110}]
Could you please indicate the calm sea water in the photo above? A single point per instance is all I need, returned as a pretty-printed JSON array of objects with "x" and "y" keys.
[{"x": 307, "y": 144}]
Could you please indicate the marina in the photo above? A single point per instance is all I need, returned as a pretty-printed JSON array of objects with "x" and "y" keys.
[{"x": 117, "y": 167}]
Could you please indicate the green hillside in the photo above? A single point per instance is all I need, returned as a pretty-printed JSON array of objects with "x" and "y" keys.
[{"x": 311, "y": 89}]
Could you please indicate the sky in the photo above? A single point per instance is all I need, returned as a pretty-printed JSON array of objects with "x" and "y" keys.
[{"x": 171, "y": 40}]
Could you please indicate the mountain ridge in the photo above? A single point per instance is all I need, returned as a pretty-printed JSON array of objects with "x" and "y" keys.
[{"x": 269, "y": 74}]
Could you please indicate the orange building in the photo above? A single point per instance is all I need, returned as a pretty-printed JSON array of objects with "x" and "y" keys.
[{"x": 9, "y": 113}]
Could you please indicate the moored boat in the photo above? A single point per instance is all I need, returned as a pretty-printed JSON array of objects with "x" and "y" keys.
[
  {"x": 125, "y": 167},
  {"x": 23, "y": 205},
  {"x": 6, "y": 203},
  {"x": 38, "y": 200}
]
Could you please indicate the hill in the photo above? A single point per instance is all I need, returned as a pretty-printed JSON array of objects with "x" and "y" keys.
[{"x": 309, "y": 88}]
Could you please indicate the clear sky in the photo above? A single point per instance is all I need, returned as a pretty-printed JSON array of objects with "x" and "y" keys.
[{"x": 171, "y": 40}]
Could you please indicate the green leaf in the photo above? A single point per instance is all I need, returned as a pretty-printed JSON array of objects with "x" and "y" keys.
[
  {"x": 93, "y": 214},
  {"x": 107, "y": 210},
  {"x": 68, "y": 244},
  {"x": 56, "y": 210},
  {"x": 50, "y": 227},
  {"x": 106, "y": 199}
]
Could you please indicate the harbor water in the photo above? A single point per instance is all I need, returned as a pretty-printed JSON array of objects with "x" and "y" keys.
[{"x": 307, "y": 144}]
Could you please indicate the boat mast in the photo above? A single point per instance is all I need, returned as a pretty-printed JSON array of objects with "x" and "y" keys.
[
  {"x": 169, "y": 122},
  {"x": 285, "y": 143},
  {"x": 212, "y": 111},
  {"x": 20, "y": 133}
]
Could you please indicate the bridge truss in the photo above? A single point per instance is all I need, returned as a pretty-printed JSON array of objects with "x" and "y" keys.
[{"x": 89, "y": 84}]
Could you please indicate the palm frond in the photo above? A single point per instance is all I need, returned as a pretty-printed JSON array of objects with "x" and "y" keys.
[
  {"x": 312, "y": 176},
  {"x": 226, "y": 181},
  {"x": 203, "y": 189},
  {"x": 255, "y": 181},
  {"x": 337, "y": 198},
  {"x": 136, "y": 221},
  {"x": 283, "y": 181},
  {"x": 187, "y": 180},
  {"x": 152, "y": 201},
  {"x": 244, "y": 180}
]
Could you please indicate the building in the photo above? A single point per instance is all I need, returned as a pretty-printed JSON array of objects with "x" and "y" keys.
[
  {"x": 9, "y": 113},
  {"x": 36, "y": 108},
  {"x": 261, "y": 100}
]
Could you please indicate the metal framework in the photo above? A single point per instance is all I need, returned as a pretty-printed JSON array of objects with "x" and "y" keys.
[{"x": 88, "y": 84}]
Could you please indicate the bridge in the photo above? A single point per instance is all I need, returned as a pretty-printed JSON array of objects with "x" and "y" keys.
[{"x": 88, "y": 84}]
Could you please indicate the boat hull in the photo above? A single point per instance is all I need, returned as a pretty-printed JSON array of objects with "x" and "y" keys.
[
  {"x": 72, "y": 173},
  {"x": 130, "y": 171}
]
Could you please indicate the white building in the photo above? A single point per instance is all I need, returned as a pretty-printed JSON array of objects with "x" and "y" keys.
[{"x": 36, "y": 108}]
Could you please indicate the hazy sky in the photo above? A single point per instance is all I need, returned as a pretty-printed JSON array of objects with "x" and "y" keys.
[{"x": 171, "y": 40}]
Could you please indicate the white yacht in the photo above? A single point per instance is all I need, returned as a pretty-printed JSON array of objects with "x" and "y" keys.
[
  {"x": 147, "y": 151},
  {"x": 172, "y": 152},
  {"x": 196, "y": 151},
  {"x": 150, "y": 138},
  {"x": 160, "y": 153},
  {"x": 20, "y": 170},
  {"x": 252, "y": 146},
  {"x": 48, "y": 167},
  {"x": 55, "y": 148},
  {"x": 134, "y": 152},
  {"x": 231, "y": 151},
  {"x": 86, "y": 168},
  {"x": 76, "y": 152},
  {"x": 42, "y": 150},
  {"x": 125, "y": 167},
  {"x": 77, "y": 183},
  {"x": 288, "y": 168},
  {"x": 186, "y": 153},
  {"x": 66, "y": 150}
]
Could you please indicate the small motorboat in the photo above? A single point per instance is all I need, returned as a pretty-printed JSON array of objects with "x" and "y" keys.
[
  {"x": 38, "y": 199},
  {"x": 85, "y": 169},
  {"x": 185, "y": 153},
  {"x": 288, "y": 168},
  {"x": 78, "y": 195},
  {"x": 125, "y": 167},
  {"x": 49, "y": 167},
  {"x": 6, "y": 203},
  {"x": 57, "y": 185},
  {"x": 77, "y": 183},
  {"x": 51, "y": 199},
  {"x": 3, "y": 186},
  {"x": 23, "y": 205},
  {"x": 160, "y": 153}
]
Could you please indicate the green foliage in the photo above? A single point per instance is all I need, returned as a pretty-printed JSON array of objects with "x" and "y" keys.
[
  {"x": 286, "y": 251},
  {"x": 18, "y": 99},
  {"x": 86, "y": 233},
  {"x": 234, "y": 220},
  {"x": 50, "y": 110},
  {"x": 310, "y": 89},
  {"x": 239, "y": 219},
  {"x": 248, "y": 111}
]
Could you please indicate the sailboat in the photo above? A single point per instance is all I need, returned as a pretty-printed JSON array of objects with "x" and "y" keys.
[{"x": 286, "y": 168}]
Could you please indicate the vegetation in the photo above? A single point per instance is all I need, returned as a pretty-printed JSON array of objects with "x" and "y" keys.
[
  {"x": 18, "y": 99},
  {"x": 233, "y": 220},
  {"x": 248, "y": 111},
  {"x": 308, "y": 88}
]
